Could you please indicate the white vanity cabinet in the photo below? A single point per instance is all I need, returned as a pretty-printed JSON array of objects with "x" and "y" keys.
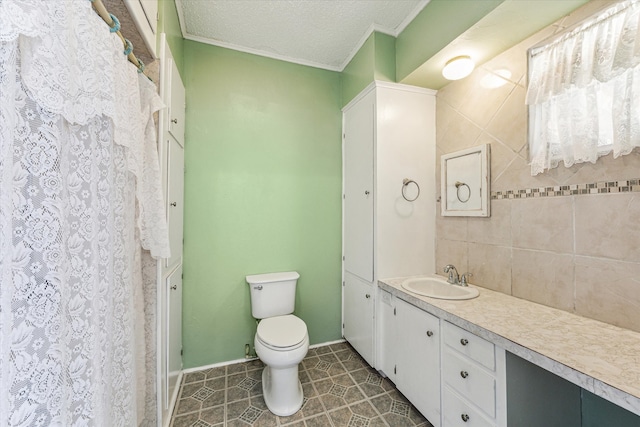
[
  {"x": 388, "y": 136},
  {"x": 453, "y": 377},
  {"x": 473, "y": 380},
  {"x": 409, "y": 353},
  {"x": 417, "y": 355}
]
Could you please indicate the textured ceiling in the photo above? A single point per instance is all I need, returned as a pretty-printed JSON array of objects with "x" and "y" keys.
[{"x": 320, "y": 33}]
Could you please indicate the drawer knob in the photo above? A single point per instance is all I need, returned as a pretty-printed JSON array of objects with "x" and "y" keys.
[
  {"x": 368, "y": 296},
  {"x": 429, "y": 333},
  {"x": 464, "y": 374},
  {"x": 464, "y": 341},
  {"x": 464, "y": 417}
]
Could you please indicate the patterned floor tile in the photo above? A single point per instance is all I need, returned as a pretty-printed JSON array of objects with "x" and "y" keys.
[
  {"x": 188, "y": 405},
  {"x": 213, "y": 415},
  {"x": 371, "y": 382},
  {"x": 319, "y": 421},
  {"x": 359, "y": 414},
  {"x": 193, "y": 377},
  {"x": 340, "y": 390},
  {"x": 396, "y": 410},
  {"x": 216, "y": 372},
  {"x": 185, "y": 420}
]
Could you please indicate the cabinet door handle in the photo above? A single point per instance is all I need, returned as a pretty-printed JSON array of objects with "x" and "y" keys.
[
  {"x": 368, "y": 296},
  {"x": 464, "y": 417},
  {"x": 366, "y": 193},
  {"x": 464, "y": 374},
  {"x": 174, "y": 121},
  {"x": 429, "y": 333},
  {"x": 174, "y": 287},
  {"x": 174, "y": 204},
  {"x": 464, "y": 341}
]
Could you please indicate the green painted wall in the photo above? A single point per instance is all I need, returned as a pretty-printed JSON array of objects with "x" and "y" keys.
[
  {"x": 374, "y": 61},
  {"x": 359, "y": 72},
  {"x": 262, "y": 194},
  {"x": 169, "y": 24},
  {"x": 438, "y": 24},
  {"x": 385, "y": 57}
]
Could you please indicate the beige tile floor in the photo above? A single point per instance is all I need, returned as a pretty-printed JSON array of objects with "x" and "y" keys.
[{"x": 340, "y": 389}]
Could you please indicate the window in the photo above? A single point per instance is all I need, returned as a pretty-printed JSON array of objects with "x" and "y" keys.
[{"x": 584, "y": 90}]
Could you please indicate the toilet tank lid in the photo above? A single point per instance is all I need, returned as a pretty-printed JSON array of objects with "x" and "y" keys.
[{"x": 272, "y": 277}]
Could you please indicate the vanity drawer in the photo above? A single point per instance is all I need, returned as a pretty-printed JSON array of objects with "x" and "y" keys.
[
  {"x": 470, "y": 345},
  {"x": 470, "y": 381},
  {"x": 458, "y": 413}
]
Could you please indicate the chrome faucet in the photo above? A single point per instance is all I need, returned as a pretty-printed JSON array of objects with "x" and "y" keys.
[{"x": 454, "y": 278}]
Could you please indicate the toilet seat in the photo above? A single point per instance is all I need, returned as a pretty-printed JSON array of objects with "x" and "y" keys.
[{"x": 282, "y": 333}]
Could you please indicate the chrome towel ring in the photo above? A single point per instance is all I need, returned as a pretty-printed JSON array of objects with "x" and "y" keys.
[
  {"x": 462, "y": 185},
  {"x": 405, "y": 183}
]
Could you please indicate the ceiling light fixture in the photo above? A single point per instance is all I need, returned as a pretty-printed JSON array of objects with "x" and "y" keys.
[{"x": 458, "y": 68}]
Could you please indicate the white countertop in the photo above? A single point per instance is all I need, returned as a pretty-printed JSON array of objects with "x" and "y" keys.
[{"x": 601, "y": 358}]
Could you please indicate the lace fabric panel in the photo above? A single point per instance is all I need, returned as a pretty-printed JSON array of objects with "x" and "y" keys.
[
  {"x": 8, "y": 85},
  {"x": 73, "y": 66},
  {"x": 78, "y": 199},
  {"x": 583, "y": 91},
  {"x": 72, "y": 337}
]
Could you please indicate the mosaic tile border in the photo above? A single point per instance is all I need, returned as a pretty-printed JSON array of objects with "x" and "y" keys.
[{"x": 600, "y": 187}]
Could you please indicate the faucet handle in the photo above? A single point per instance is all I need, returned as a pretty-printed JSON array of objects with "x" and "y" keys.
[{"x": 464, "y": 279}]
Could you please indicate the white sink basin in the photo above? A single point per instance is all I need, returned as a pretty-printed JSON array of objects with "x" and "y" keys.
[{"x": 439, "y": 288}]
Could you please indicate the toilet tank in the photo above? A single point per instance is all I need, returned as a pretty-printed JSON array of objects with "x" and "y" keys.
[{"x": 273, "y": 294}]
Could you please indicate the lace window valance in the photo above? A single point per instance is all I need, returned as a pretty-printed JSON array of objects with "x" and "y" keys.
[{"x": 584, "y": 91}]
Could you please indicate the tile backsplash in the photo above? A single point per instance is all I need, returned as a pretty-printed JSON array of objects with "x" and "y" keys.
[{"x": 568, "y": 238}]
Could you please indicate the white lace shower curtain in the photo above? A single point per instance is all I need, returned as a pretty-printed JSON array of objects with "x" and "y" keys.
[
  {"x": 584, "y": 91},
  {"x": 80, "y": 209}
]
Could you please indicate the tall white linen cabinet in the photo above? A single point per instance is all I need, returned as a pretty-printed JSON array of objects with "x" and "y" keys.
[
  {"x": 389, "y": 200},
  {"x": 171, "y": 143}
]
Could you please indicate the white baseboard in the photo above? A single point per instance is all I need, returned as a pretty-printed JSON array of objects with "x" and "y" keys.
[
  {"x": 243, "y": 360},
  {"x": 327, "y": 343}
]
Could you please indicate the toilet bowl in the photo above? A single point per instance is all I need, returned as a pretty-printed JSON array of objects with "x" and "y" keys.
[
  {"x": 281, "y": 343},
  {"x": 281, "y": 340}
]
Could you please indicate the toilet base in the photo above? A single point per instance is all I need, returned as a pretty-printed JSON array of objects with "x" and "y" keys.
[{"x": 282, "y": 390}]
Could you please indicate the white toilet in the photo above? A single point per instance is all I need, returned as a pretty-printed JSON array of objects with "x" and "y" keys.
[{"x": 281, "y": 340}]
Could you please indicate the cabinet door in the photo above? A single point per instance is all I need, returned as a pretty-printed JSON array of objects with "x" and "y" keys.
[
  {"x": 358, "y": 301},
  {"x": 386, "y": 341},
  {"x": 176, "y": 105},
  {"x": 174, "y": 327},
  {"x": 418, "y": 359},
  {"x": 358, "y": 188},
  {"x": 175, "y": 198}
]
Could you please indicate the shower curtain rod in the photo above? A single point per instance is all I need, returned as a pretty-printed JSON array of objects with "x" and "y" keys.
[{"x": 101, "y": 10}]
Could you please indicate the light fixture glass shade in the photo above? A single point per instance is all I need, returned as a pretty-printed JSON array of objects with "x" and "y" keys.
[{"x": 458, "y": 68}]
